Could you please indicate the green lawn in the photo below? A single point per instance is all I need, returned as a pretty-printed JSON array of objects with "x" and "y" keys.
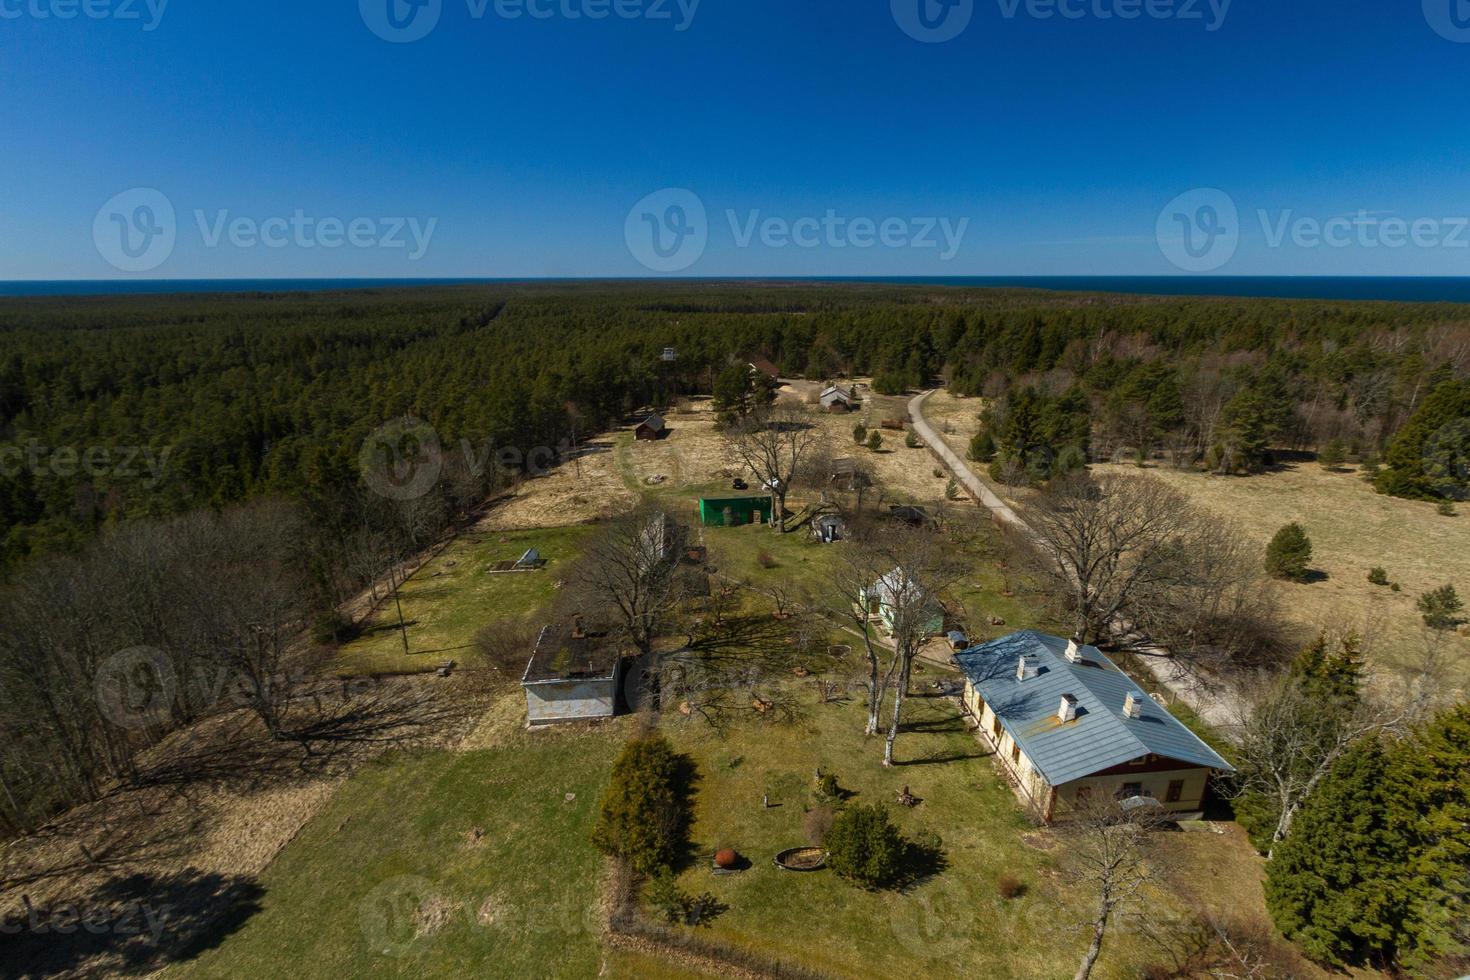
[
  {"x": 521, "y": 901},
  {"x": 800, "y": 559},
  {"x": 954, "y": 923},
  {"x": 455, "y": 594}
]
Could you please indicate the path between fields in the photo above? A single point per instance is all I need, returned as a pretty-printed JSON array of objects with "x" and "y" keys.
[{"x": 1218, "y": 708}]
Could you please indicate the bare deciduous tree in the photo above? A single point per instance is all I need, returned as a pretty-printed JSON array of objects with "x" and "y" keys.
[
  {"x": 628, "y": 575},
  {"x": 1289, "y": 737},
  {"x": 1109, "y": 538},
  {"x": 773, "y": 442},
  {"x": 1108, "y": 854}
]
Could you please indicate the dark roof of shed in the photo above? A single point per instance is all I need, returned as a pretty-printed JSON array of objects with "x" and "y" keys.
[
  {"x": 1101, "y": 737},
  {"x": 561, "y": 656},
  {"x": 654, "y": 422}
]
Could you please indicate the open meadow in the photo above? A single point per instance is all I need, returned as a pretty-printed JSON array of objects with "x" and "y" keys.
[{"x": 1352, "y": 530}]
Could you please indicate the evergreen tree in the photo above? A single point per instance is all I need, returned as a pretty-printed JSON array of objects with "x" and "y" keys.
[
  {"x": 645, "y": 812},
  {"x": 1441, "y": 608},
  {"x": 1431, "y": 798},
  {"x": 1416, "y": 464},
  {"x": 864, "y": 846},
  {"x": 1289, "y": 554},
  {"x": 1329, "y": 885},
  {"x": 982, "y": 447}
]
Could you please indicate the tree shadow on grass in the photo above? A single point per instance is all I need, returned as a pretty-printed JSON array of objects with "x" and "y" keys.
[{"x": 129, "y": 926}]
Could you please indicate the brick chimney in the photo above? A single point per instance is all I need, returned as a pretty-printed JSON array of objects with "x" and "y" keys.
[
  {"x": 1132, "y": 707},
  {"x": 1074, "y": 652},
  {"x": 1026, "y": 669}
]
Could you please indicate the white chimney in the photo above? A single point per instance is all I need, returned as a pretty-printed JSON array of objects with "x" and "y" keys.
[
  {"x": 1074, "y": 652},
  {"x": 1068, "y": 711},
  {"x": 1132, "y": 707},
  {"x": 1026, "y": 669}
]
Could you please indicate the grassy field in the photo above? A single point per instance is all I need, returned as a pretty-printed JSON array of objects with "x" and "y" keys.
[
  {"x": 952, "y": 923},
  {"x": 454, "y": 594},
  {"x": 1352, "y": 529},
  {"x": 440, "y": 864}
]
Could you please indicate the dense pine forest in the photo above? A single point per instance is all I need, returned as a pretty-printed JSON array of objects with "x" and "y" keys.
[{"x": 124, "y": 407}]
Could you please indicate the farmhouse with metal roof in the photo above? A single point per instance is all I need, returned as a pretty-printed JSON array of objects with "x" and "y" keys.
[{"x": 1070, "y": 726}]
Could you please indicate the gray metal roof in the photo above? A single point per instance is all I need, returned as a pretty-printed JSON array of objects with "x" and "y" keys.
[{"x": 1100, "y": 737}]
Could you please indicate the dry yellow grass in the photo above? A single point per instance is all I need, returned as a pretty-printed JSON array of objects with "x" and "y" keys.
[{"x": 1352, "y": 530}]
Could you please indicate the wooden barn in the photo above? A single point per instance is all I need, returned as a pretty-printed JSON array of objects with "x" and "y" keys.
[{"x": 651, "y": 429}]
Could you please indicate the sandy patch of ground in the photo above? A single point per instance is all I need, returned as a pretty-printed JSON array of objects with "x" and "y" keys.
[
  {"x": 1352, "y": 530},
  {"x": 575, "y": 492}
]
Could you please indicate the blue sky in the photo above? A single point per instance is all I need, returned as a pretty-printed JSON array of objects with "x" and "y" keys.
[{"x": 520, "y": 146}]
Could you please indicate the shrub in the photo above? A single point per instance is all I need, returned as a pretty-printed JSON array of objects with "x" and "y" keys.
[
  {"x": 865, "y": 847},
  {"x": 1289, "y": 554},
  {"x": 1010, "y": 886},
  {"x": 982, "y": 447},
  {"x": 1441, "y": 608},
  {"x": 912, "y": 440},
  {"x": 952, "y": 490},
  {"x": 875, "y": 440},
  {"x": 860, "y": 434},
  {"x": 1378, "y": 576},
  {"x": 645, "y": 812},
  {"x": 1446, "y": 508},
  {"x": 1395, "y": 587},
  {"x": 828, "y": 788},
  {"x": 765, "y": 559},
  {"x": 818, "y": 824}
]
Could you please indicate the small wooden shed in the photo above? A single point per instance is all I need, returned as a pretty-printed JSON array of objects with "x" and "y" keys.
[{"x": 651, "y": 428}]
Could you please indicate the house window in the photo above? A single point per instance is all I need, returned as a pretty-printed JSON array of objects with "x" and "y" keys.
[
  {"x": 995, "y": 728},
  {"x": 1016, "y": 754},
  {"x": 1176, "y": 791},
  {"x": 1083, "y": 795},
  {"x": 1131, "y": 790}
]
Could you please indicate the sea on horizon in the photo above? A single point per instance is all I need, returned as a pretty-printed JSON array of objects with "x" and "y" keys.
[{"x": 1426, "y": 289}]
